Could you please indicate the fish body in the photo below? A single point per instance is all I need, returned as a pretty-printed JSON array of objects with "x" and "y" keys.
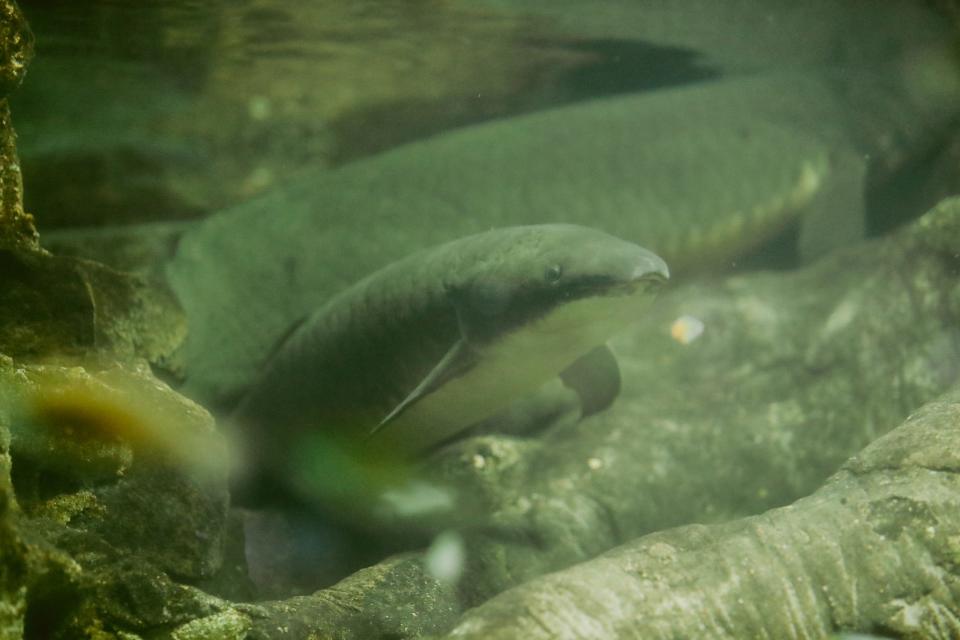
[{"x": 436, "y": 342}]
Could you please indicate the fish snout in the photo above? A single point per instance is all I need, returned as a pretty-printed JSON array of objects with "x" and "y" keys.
[{"x": 649, "y": 269}]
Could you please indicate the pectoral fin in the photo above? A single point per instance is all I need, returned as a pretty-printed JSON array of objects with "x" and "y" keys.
[
  {"x": 596, "y": 379},
  {"x": 457, "y": 361}
]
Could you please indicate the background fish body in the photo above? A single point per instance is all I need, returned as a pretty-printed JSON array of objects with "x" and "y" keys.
[{"x": 443, "y": 338}]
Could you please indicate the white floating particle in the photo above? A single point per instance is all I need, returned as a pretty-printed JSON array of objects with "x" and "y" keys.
[
  {"x": 445, "y": 558},
  {"x": 686, "y": 329}
]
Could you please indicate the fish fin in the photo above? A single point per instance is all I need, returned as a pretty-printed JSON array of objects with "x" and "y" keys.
[
  {"x": 596, "y": 379},
  {"x": 457, "y": 361}
]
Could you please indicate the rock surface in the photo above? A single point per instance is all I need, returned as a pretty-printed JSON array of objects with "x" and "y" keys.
[
  {"x": 69, "y": 306},
  {"x": 16, "y": 50},
  {"x": 874, "y": 550},
  {"x": 100, "y": 523},
  {"x": 96, "y": 520}
]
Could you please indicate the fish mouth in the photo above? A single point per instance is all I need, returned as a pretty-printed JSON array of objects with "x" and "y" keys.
[
  {"x": 651, "y": 281},
  {"x": 649, "y": 274},
  {"x": 647, "y": 277},
  {"x": 651, "y": 267},
  {"x": 647, "y": 283},
  {"x": 644, "y": 274}
]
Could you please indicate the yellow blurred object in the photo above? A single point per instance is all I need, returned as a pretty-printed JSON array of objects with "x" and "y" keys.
[
  {"x": 126, "y": 413},
  {"x": 686, "y": 329},
  {"x": 76, "y": 412}
]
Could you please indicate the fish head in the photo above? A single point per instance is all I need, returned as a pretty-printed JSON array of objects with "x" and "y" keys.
[
  {"x": 545, "y": 269},
  {"x": 578, "y": 262}
]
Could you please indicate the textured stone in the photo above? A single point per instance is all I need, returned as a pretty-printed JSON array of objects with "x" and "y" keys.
[
  {"x": 16, "y": 49},
  {"x": 110, "y": 514},
  {"x": 875, "y": 549},
  {"x": 16, "y": 46},
  {"x": 66, "y": 306}
]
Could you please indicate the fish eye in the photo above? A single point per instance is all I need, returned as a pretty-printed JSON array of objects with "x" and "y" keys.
[{"x": 553, "y": 273}]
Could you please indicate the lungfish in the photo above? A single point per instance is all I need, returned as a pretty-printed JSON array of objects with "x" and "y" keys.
[{"x": 433, "y": 343}]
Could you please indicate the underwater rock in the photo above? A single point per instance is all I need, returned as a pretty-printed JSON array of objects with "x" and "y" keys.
[
  {"x": 13, "y": 565},
  {"x": 16, "y": 226},
  {"x": 134, "y": 248},
  {"x": 100, "y": 525},
  {"x": 393, "y": 599},
  {"x": 91, "y": 444},
  {"x": 16, "y": 46},
  {"x": 875, "y": 549},
  {"x": 61, "y": 306},
  {"x": 16, "y": 50}
]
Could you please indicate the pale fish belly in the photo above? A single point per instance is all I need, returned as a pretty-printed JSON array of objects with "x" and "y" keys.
[{"x": 510, "y": 368}]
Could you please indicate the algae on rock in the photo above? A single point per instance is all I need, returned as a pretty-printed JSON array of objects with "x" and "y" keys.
[
  {"x": 53, "y": 305},
  {"x": 108, "y": 526},
  {"x": 16, "y": 50}
]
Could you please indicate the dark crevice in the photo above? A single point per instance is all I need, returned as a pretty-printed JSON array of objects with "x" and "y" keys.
[
  {"x": 33, "y": 485},
  {"x": 51, "y": 603}
]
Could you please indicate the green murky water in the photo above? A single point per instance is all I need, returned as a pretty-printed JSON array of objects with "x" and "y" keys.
[{"x": 281, "y": 201}]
